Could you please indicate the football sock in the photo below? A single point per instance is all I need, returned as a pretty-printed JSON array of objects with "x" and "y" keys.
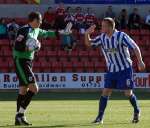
[
  {"x": 102, "y": 105},
  {"x": 21, "y": 110},
  {"x": 133, "y": 101},
  {"x": 26, "y": 101},
  {"x": 20, "y": 98}
]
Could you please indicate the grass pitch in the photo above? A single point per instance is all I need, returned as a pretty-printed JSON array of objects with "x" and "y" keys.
[{"x": 75, "y": 110}]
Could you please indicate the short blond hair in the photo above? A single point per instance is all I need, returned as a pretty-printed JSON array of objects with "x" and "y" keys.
[{"x": 110, "y": 21}]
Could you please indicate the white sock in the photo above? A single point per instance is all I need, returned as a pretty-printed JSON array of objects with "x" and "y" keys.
[{"x": 21, "y": 110}]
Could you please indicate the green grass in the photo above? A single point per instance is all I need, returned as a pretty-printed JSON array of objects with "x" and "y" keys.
[{"x": 74, "y": 110}]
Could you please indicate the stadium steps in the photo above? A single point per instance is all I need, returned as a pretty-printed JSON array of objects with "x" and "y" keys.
[{"x": 51, "y": 57}]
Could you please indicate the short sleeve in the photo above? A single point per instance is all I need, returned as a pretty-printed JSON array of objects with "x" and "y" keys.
[
  {"x": 128, "y": 41},
  {"x": 96, "y": 41}
]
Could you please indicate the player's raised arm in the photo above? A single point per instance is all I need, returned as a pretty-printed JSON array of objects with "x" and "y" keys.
[
  {"x": 131, "y": 44},
  {"x": 87, "y": 35},
  {"x": 49, "y": 33}
]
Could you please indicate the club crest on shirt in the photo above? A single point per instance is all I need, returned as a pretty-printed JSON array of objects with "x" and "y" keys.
[
  {"x": 111, "y": 50},
  {"x": 30, "y": 78},
  {"x": 20, "y": 38}
]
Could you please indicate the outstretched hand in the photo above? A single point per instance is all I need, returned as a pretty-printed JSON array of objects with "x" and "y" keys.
[{"x": 91, "y": 29}]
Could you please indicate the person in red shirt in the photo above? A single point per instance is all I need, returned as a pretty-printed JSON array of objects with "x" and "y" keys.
[
  {"x": 49, "y": 18},
  {"x": 90, "y": 18},
  {"x": 60, "y": 16},
  {"x": 79, "y": 19}
]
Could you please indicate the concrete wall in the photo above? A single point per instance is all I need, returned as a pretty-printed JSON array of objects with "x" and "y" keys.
[{"x": 23, "y": 10}]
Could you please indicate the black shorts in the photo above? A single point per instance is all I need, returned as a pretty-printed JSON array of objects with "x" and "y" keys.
[{"x": 24, "y": 71}]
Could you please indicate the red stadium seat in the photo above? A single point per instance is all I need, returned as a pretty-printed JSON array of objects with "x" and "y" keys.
[
  {"x": 6, "y": 48},
  {"x": 7, "y": 53},
  {"x": 56, "y": 66},
  {"x": 4, "y": 70},
  {"x": 10, "y": 62},
  {"x": 74, "y": 54},
  {"x": 63, "y": 59},
  {"x": 94, "y": 53},
  {"x": 78, "y": 67},
  {"x": 99, "y": 66},
  {"x": 67, "y": 66},
  {"x": 46, "y": 66},
  {"x": 89, "y": 66},
  {"x": 73, "y": 59},
  {"x": 134, "y": 32},
  {"x": 41, "y": 59},
  {"x": 52, "y": 42},
  {"x": 4, "y": 42},
  {"x": 83, "y": 53},
  {"x": 37, "y": 64},
  {"x": 51, "y": 53},
  {"x": 1, "y": 53},
  {"x": 62, "y": 53},
  {"x": 46, "y": 42},
  {"x": 3, "y": 65},
  {"x": 41, "y": 53},
  {"x": 84, "y": 59},
  {"x": 145, "y": 32}
]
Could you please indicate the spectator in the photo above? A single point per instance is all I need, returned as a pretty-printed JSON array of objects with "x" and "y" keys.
[
  {"x": 147, "y": 20},
  {"x": 109, "y": 12},
  {"x": 3, "y": 29},
  {"x": 12, "y": 29},
  {"x": 60, "y": 16},
  {"x": 134, "y": 20},
  {"x": 79, "y": 20},
  {"x": 90, "y": 18},
  {"x": 71, "y": 41},
  {"x": 123, "y": 19},
  {"x": 69, "y": 16},
  {"x": 49, "y": 18}
]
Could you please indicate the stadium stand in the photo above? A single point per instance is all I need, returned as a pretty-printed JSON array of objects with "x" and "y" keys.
[{"x": 51, "y": 58}]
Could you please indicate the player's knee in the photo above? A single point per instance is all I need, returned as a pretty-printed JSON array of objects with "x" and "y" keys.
[
  {"x": 22, "y": 90},
  {"x": 128, "y": 93},
  {"x": 34, "y": 88},
  {"x": 107, "y": 92}
]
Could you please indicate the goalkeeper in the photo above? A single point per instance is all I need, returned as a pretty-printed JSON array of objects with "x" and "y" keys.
[{"x": 23, "y": 54}]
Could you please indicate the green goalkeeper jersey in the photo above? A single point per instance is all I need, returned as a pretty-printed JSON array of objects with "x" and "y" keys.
[{"x": 25, "y": 33}]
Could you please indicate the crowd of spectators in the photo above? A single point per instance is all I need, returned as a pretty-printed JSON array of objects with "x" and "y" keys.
[
  {"x": 83, "y": 18},
  {"x": 57, "y": 18}
]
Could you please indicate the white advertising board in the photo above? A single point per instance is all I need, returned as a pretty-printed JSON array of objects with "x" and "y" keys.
[{"x": 69, "y": 80}]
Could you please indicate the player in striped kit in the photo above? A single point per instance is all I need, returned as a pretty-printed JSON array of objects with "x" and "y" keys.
[{"x": 115, "y": 46}]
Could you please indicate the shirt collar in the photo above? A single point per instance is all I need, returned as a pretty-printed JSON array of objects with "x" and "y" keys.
[{"x": 114, "y": 33}]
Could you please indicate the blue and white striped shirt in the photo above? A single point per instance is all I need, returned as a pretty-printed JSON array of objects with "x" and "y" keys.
[{"x": 115, "y": 50}]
